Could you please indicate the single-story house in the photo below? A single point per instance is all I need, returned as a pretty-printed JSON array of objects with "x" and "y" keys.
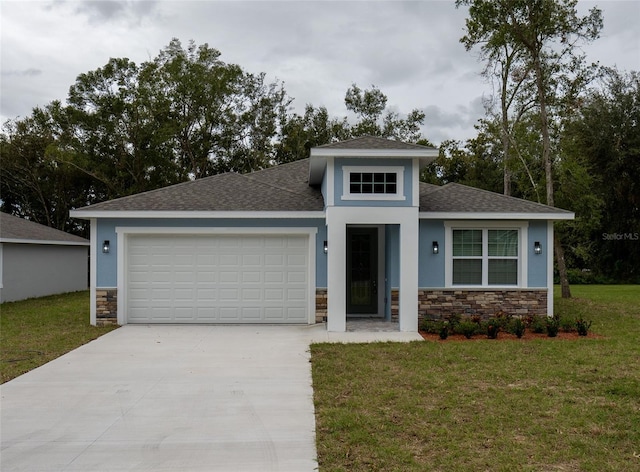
[
  {"x": 36, "y": 260},
  {"x": 348, "y": 232}
]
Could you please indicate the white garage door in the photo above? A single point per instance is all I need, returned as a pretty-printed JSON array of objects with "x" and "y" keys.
[{"x": 217, "y": 279}]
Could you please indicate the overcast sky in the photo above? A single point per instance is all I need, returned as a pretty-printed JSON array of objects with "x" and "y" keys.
[{"x": 410, "y": 50}]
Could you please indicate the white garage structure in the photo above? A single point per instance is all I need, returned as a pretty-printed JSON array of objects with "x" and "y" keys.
[{"x": 181, "y": 275}]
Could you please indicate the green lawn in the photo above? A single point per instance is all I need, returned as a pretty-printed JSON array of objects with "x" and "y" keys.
[
  {"x": 540, "y": 405},
  {"x": 35, "y": 331}
]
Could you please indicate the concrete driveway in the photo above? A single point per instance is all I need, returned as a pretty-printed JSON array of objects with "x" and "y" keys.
[{"x": 171, "y": 398}]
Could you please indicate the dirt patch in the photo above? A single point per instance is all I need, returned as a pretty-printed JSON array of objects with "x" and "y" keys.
[{"x": 502, "y": 336}]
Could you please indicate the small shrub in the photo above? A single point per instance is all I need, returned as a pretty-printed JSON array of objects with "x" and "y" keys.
[
  {"x": 493, "y": 328},
  {"x": 502, "y": 319},
  {"x": 553, "y": 326},
  {"x": 537, "y": 324},
  {"x": 443, "y": 332},
  {"x": 467, "y": 328},
  {"x": 477, "y": 319},
  {"x": 583, "y": 326},
  {"x": 429, "y": 326},
  {"x": 453, "y": 320},
  {"x": 517, "y": 327}
]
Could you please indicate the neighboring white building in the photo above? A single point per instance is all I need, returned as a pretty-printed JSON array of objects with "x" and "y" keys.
[{"x": 36, "y": 260}]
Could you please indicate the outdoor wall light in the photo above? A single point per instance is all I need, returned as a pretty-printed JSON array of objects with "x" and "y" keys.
[
  {"x": 537, "y": 247},
  {"x": 325, "y": 248},
  {"x": 105, "y": 246},
  {"x": 436, "y": 248}
]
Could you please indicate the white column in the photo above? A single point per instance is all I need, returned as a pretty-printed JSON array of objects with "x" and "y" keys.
[
  {"x": 93, "y": 274},
  {"x": 408, "y": 309},
  {"x": 549, "y": 250},
  {"x": 336, "y": 274}
]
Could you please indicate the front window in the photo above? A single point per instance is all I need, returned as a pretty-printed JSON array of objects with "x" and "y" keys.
[{"x": 485, "y": 256}]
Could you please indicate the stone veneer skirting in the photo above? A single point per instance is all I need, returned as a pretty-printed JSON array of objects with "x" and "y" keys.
[
  {"x": 321, "y": 305},
  {"x": 437, "y": 303},
  {"x": 106, "y": 306},
  {"x": 486, "y": 303},
  {"x": 432, "y": 304}
]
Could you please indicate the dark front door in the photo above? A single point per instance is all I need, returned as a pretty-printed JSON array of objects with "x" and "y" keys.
[{"x": 362, "y": 271}]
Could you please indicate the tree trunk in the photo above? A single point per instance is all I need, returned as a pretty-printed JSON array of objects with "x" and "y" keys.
[
  {"x": 548, "y": 170},
  {"x": 562, "y": 267}
]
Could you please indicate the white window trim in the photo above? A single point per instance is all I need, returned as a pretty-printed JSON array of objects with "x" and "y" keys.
[
  {"x": 346, "y": 188},
  {"x": 522, "y": 228}
]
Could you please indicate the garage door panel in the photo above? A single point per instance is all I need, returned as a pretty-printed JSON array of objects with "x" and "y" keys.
[
  {"x": 217, "y": 279},
  {"x": 252, "y": 260},
  {"x": 251, "y": 277}
]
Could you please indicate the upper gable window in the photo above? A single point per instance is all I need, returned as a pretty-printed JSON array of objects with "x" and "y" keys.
[{"x": 373, "y": 183}]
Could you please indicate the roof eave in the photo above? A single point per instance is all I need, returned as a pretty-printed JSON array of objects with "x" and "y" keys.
[
  {"x": 464, "y": 215},
  {"x": 48, "y": 242},
  {"x": 88, "y": 214}
]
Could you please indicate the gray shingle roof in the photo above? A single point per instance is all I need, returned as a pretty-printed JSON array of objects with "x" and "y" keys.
[
  {"x": 18, "y": 229},
  {"x": 286, "y": 188},
  {"x": 280, "y": 188},
  {"x": 459, "y": 198},
  {"x": 374, "y": 142}
]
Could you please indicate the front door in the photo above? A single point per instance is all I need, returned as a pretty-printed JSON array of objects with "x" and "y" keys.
[{"x": 362, "y": 271}]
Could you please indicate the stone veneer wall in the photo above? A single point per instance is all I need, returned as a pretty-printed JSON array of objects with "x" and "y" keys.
[
  {"x": 434, "y": 304},
  {"x": 106, "y": 306},
  {"x": 486, "y": 303},
  {"x": 321, "y": 305}
]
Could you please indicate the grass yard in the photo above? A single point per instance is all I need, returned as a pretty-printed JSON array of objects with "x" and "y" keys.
[
  {"x": 35, "y": 331},
  {"x": 539, "y": 405}
]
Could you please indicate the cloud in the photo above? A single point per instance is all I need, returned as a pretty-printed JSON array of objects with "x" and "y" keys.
[
  {"x": 31, "y": 72},
  {"x": 101, "y": 11}
]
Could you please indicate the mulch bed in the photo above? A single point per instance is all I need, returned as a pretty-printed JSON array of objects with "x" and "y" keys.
[{"x": 502, "y": 336}]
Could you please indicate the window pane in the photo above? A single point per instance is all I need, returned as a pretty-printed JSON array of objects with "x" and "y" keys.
[
  {"x": 391, "y": 188},
  {"x": 467, "y": 242},
  {"x": 467, "y": 271},
  {"x": 378, "y": 188},
  {"x": 503, "y": 272},
  {"x": 367, "y": 177},
  {"x": 355, "y": 177},
  {"x": 378, "y": 177},
  {"x": 391, "y": 177},
  {"x": 503, "y": 242},
  {"x": 367, "y": 188}
]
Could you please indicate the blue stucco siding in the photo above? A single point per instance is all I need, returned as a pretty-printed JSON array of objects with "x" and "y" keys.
[
  {"x": 107, "y": 269},
  {"x": 537, "y": 267},
  {"x": 338, "y": 189},
  {"x": 431, "y": 266}
]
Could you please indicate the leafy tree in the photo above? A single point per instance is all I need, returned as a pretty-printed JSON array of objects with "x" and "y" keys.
[
  {"x": 369, "y": 105},
  {"x": 605, "y": 133},
  {"x": 300, "y": 133},
  {"x": 472, "y": 164},
  {"x": 33, "y": 184},
  {"x": 545, "y": 34}
]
